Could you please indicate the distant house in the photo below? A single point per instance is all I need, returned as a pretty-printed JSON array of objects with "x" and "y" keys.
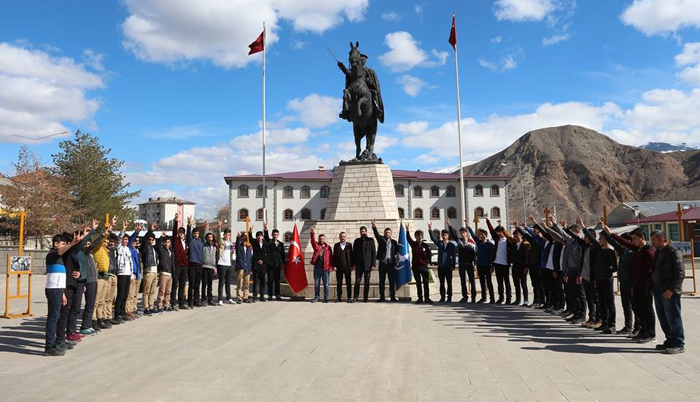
[
  {"x": 162, "y": 211},
  {"x": 668, "y": 222},
  {"x": 627, "y": 211}
]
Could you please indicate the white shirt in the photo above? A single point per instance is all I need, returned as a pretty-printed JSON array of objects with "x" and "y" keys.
[
  {"x": 502, "y": 253},
  {"x": 550, "y": 258},
  {"x": 225, "y": 257},
  {"x": 342, "y": 245}
]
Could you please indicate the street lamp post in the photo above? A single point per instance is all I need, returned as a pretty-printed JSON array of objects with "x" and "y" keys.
[{"x": 522, "y": 188}]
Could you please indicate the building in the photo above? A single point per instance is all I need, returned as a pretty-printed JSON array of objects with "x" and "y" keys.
[
  {"x": 668, "y": 222},
  {"x": 162, "y": 211},
  {"x": 421, "y": 196},
  {"x": 627, "y": 211}
]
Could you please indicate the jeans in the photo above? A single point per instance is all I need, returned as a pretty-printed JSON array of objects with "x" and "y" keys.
[
  {"x": 273, "y": 280},
  {"x": 259, "y": 281},
  {"x": 359, "y": 274},
  {"x": 207, "y": 283},
  {"x": 63, "y": 316},
  {"x": 53, "y": 299},
  {"x": 577, "y": 295},
  {"x": 194, "y": 275},
  {"x": 225, "y": 275},
  {"x": 321, "y": 274},
  {"x": 606, "y": 297},
  {"x": 122, "y": 293},
  {"x": 177, "y": 294},
  {"x": 339, "y": 276},
  {"x": 384, "y": 271},
  {"x": 445, "y": 277},
  {"x": 591, "y": 300},
  {"x": 537, "y": 285},
  {"x": 520, "y": 282},
  {"x": 643, "y": 302},
  {"x": 422, "y": 277},
  {"x": 485, "y": 281},
  {"x": 669, "y": 313},
  {"x": 631, "y": 320},
  {"x": 74, "y": 308},
  {"x": 464, "y": 271},
  {"x": 90, "y": 298},
  {"x": 503, "y": 279}
]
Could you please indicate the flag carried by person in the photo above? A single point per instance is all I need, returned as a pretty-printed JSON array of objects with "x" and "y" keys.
[
  {"x": 294, "y": 270},
  {"x": 403, "y": 268}
]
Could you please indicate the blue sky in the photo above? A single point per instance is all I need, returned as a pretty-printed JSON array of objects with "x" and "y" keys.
[{"x": 168, "y": 85}]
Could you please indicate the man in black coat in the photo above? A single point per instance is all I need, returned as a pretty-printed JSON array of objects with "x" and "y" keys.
[
  {"x": 342, "y": 264},
  {"x": 365, "y": 256},
  {"x": 276, "y": 260},
  {"x": 667, "y": 278},
  {"x": 261, "y": 254},
  {"x": 388, "y": 256}
]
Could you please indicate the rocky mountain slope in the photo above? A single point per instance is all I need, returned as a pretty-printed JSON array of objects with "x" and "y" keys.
[{"x": 580, "y": 170}]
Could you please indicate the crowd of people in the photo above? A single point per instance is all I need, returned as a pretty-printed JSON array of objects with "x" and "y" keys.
[{"x": 570, "y": 268}]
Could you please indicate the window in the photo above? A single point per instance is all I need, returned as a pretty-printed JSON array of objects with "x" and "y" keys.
[
  {"x": 288, "y": 215},
  {"x": 435, "y": 191},
  {"x": 288, "y": 192},
  {"x": 418, "y": 191},
  {"x": 450, "y": 191},
  {"x": 398, "y": 189},
  {"x": 242, "y": 191},
  {"x": 696, "y": 229},
  {"x": 451, "y": 213},
  {"x": 242, "y": 214},
  {"x": 673, "y": 232},
  {"x": 306, "y": 214},
  {"x": 434, "y": 213},
  {"x": 325, "y": 191},
  {"x": 495, "y": 191},
  {"x": 259, "y": 192},
  {"x": 401, "y": 213},
  {"x": 478, "y": 191},
  {"x": 305, "y": 192},
  {"x": 417, "y": 213},
  {"x": 323, "y": 214},
  {"x": 259, "y": 215},
  {"x": 495, "y": 212},
  {"x": 288, "y": 237},
  {"x": 479, "y": 212}
]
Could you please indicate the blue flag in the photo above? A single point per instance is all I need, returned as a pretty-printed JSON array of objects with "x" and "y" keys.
[{"x": 403, "y": 268}]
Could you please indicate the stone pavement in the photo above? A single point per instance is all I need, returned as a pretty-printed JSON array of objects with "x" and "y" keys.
[{"x": 298, "y": 351}]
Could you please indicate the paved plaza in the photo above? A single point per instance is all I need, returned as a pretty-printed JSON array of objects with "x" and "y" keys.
[{"x": 298, "y": 351}]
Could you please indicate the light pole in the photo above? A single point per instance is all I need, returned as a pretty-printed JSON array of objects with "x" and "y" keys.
[
  {"x": 522, "y": 188},
  {"x": 35, "y": 139}
]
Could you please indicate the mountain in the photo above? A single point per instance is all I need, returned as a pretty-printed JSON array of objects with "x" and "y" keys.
[
  {"x": 666, "y": 147},
  {"x": 580, "y": 170}
]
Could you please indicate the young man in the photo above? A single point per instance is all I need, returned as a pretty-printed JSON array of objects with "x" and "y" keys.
[
  {"x": 501, "y": 261},
  {"x": 667, "y": 279},
  {"x": 533, "y": 266},
  {"x": 180, "y": 251},
  {"x": 420, "y": 264},
  {"x": 195, "y": 258},
  {"x": 342, "y": 265},
  {"x": 604, "y": 265},
  {"x": 89, "y": 326},
  {"x": 643, "y": 266},
  {"x": 572, "y": 263},
  {"x": 321, "y": 260},
  {"x": 546, "y": 265},
  {"x": 225, "y": 264},
  {"x": 166, "y": 265},
  {"x": 149, "y": 258},
  {"x": 244, "y": 267},
  {"x": 365, "y": 258},
  {"x": 75, "y": 287},
  {"x": 520, "y": 250},
  {"x": 484, "y": 260},
  {"x": 625, "y": 268},
  {"x": 388, "y": 256},
  {"x": 210, "y": 252},
  {"x": 125, "y": 272},
  {"x": 446, "y": 262},
  {"x": 132, "y": 302},
  {"x": 466, "y": 250},
  {"x": 277, "y": 259},
  {"x": 101, "y": 253},
  {"x": 261, "y": 254}
]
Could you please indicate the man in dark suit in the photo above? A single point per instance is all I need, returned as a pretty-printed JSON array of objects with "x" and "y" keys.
[
  {"x": 261, "y": 254},
  {"x": 388, "y": 256},
  {"x": 275, "y": 262},
  {"x": 365, "y": 256},
  {"x": 342, "y": 264}
]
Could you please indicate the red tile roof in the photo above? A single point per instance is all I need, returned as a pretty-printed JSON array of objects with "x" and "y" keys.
[
  {"x": 327, "y": 175},
  {"x": 690, "y": 214}
]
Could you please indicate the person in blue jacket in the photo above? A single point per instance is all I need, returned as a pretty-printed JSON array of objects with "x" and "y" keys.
[
  {"x": 446, "y": 261},
  {"x": 244, "y": 266},
  {"x": 195, "y": 259},
  {"x": 484, "y": 262}
]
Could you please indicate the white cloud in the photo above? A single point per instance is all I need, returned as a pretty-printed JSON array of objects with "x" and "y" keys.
[
  {"x": 654, "y": 17},
  {"x": 691, "y": 75},
  {"x": 41, "y": 92},
  {"x": 298, "y": 44},
  {"x": 523, "y": 10},
  {"x": 316, "y": 111},
  {"x": 93, "y": 59},
  {"x": 391, "y": 16},
  {"x": 556, "y": 38},
  {"x": 505, "y": 64},
  {"x": 180, "y": 31},
  {"x": 418, "y": 9},
  {"x": 496, "y": 39},
  {"x": 691, "y": 58},
  {"x": 405, "y": 53},
  {"x": 411, "y": 85}
]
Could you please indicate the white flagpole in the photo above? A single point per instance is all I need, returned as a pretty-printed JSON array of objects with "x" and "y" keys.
[
  {"x": 459, "y": 133},
  {"x": 264, "y": 194}
]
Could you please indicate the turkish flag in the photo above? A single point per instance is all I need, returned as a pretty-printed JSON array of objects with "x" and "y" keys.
[
  {"x": 294, "y": 270},
  {"x": 258, "y": 45},
  {"x": 453, "y": 34}
]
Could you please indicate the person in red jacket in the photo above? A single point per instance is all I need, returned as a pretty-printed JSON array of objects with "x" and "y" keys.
[
  {"x": 180, "y": 250},
  {"x": 321, "y": 260}
]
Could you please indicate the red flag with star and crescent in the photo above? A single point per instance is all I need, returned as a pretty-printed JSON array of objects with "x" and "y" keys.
[
  {"x": 258, "y": 45},
  {"x": 453, "y": 34},
  {"x": 294, "y": 270}
]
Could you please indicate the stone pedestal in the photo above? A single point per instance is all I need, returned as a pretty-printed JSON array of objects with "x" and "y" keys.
[{"x": 359, "y": 194}]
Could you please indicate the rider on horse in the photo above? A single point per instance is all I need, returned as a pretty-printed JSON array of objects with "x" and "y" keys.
[{"x": 372, "y": 82}]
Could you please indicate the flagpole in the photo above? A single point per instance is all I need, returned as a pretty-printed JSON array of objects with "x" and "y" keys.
[
  {"x": 264, "y": 194},
  {"x": 459, "y": 133}
]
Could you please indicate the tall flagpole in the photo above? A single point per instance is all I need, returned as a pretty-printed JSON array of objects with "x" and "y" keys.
[
  {"x": 264, "y": 194},
  {"x": 459, "y": 133}
]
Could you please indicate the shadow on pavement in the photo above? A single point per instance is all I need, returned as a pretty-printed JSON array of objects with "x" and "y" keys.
[{"x": 27, "y": 338}]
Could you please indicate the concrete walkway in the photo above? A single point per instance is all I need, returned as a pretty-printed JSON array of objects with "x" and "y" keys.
[{"x": 297, "y": 351}]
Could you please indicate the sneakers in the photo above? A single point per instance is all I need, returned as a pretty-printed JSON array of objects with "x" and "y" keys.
[
  {"x": 420, "y": 301},
  {"x": 462, "y": 300},
  {"x": 596, "y": 325},
  {"x": 609, "y": 331},
  {"x": 54, "y": 351},
  {"x": 646, "y": 340},
  {"x": 674, "y": 350},
  {"x": 220, "y": 303},
  {"x": 314, "y": 300},
  {"x": 579, "y": 320},
  {"x": 662, "y": 346},
  {"x": 230, "y": 301},
  {"x": 428, "y": 300},
  {"x": 74, "y": 337},
  {"x": 499, "y": 301},
  {"x": 625, "y": 331},
  {"x": 88, "y": 332},
  {"x": 211, "y": 303},
  {"x": 482, "y": 300}
]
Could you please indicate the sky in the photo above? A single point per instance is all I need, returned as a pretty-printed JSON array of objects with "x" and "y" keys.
[{"x": 168, "y": 86}]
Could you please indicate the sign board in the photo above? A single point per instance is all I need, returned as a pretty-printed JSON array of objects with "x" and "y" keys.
[
  {"x": 21, "y": 264},
  {"x": 684, "y": 247}
]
